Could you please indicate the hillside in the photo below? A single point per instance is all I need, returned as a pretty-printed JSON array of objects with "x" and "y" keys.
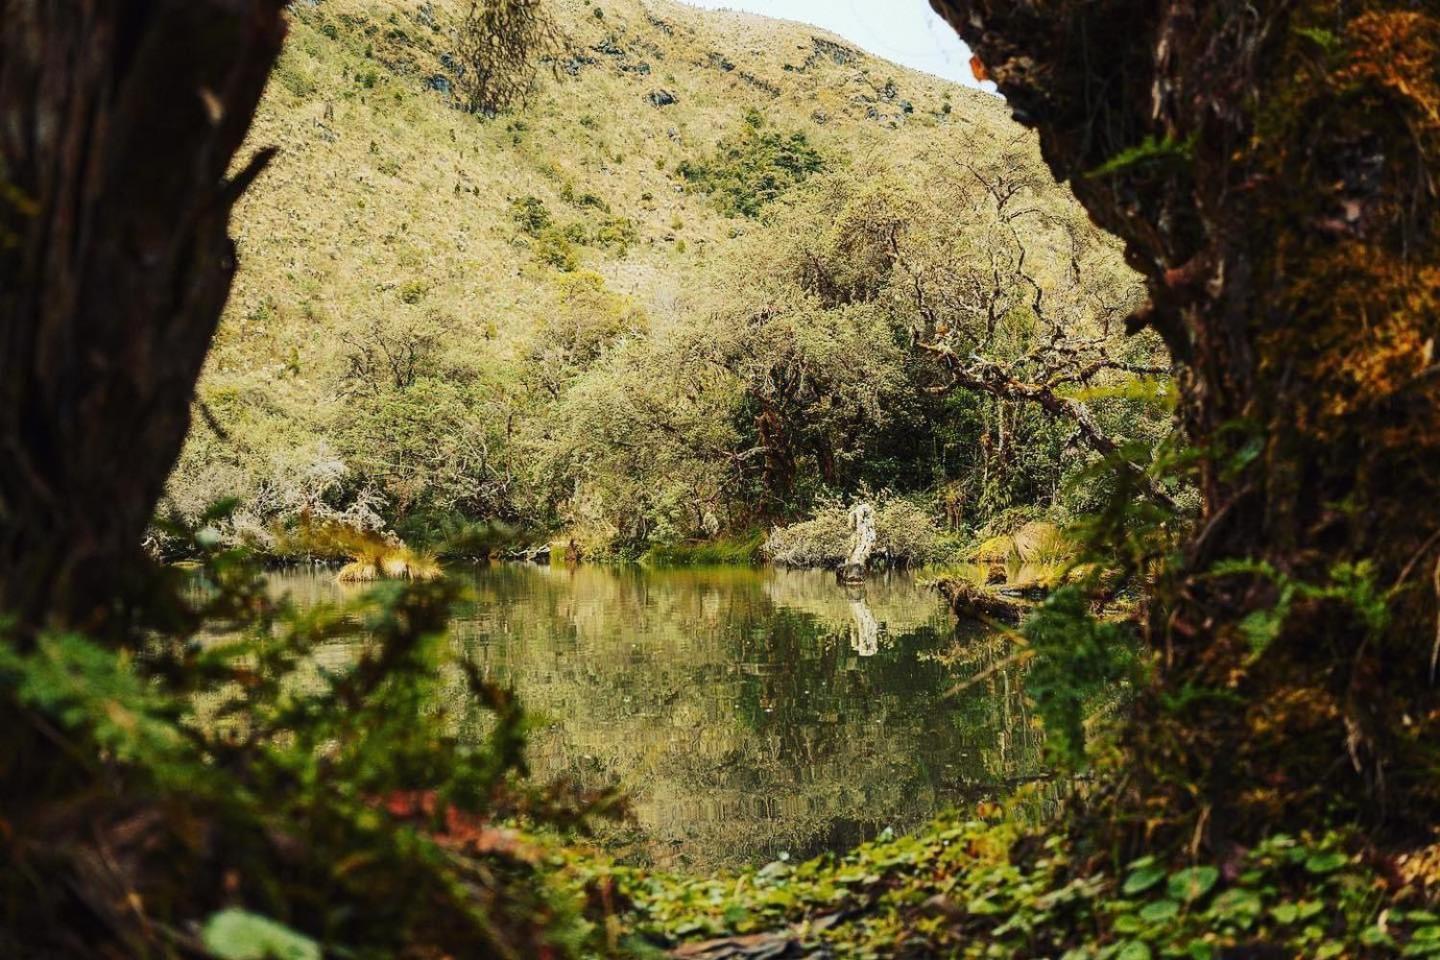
[{"x": 420, "y": 286}]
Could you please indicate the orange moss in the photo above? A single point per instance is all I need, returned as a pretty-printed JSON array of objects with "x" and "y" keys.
[{"x": 1396, "y": 51}]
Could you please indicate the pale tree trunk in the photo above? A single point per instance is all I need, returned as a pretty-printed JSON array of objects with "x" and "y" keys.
[
  {"x": 1271, "y": 167},
  {"x": 118, "y": 126},
  {"x": 862, "y": 542}
]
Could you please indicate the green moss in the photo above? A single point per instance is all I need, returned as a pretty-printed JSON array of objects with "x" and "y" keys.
[{"x": 1150, "y": 151}]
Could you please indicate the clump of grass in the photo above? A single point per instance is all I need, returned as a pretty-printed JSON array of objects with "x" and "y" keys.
[
  {"x": 372, "y": 555},
  {"x": 378, "y": 558},
  {"x": 738, "y": 550}
]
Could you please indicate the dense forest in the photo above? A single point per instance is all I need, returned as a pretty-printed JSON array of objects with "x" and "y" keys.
[{"x": 597, "y": 478}]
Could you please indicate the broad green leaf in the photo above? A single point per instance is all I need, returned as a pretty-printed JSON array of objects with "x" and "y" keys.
[
  {"x": 1192, "y": 883},
  {"x": 1159, "y": 911},
  {"x": 1327, "y": 862},
  {"x": 1285, "y": 913},
  {"x": 1142, "y": 879},
  {"x": 1237, "y": 903},
  {"x": 236, "y": 934},
  {"x": 1134, "y": 950}
]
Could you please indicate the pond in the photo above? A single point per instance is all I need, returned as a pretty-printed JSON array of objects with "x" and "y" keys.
[{"x": 750, "y": 713}]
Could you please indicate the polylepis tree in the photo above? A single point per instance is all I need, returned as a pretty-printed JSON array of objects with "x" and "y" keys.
[
  {"x": 1271, "y": 167},
  {"x": 119, "y": 124}
]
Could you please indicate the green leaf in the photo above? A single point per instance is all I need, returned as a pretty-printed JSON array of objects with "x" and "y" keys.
[
  {"x": 983, "y": 907},
  {"x": 1160, "y": 911},
  {"x": 1237, "y": 903},
  {"x": 1134, "y": 950},
  {"x": 1327, "y": 862},
  {"x": 1285, "y": 913},
  {"x": 1192, "y": 883},
  {"x": 1142, "y": 879},
  {"x": 239, "y": 935}
]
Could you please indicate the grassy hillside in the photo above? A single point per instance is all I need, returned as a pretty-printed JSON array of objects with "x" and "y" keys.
[{"x": 422, "y": 287}]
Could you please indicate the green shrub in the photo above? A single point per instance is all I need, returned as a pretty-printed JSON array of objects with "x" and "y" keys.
[
  {"x": 209, "y": 770},
  {"x": 530, "y": 215},
  {"x": 413, "y": 291},
  {"x": 554, "y": 248},
  {"x": 754, "y": 168}
]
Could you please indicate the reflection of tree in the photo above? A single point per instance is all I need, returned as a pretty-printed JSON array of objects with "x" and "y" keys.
[
  {"x": 742, "y": 724},
  {"x": 865, "y": 640}
]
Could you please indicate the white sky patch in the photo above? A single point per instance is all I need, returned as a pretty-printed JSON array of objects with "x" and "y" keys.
[{"x": 906, "y": 32}]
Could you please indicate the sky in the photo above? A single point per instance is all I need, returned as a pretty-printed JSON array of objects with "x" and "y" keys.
[{"x": 907, "y": 32}]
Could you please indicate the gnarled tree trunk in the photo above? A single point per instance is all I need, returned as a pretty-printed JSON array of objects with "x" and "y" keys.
[
  {"x": 1271, "y": 167},
  {"x": 118, "y": 126}
]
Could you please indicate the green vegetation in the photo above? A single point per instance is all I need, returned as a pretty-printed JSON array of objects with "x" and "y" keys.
[
  {"x": 721, "y": 551},
  {"x": 339, "y": 801},
  {"x": 989, "y": 888},
  {"x": 754, "y": 168}
]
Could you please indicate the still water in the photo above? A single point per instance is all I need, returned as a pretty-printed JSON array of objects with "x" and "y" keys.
[{"x": 749, "y": 713}]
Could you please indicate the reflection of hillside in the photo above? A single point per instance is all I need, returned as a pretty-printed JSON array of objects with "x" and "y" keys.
[{"x": 742, "y": 722}]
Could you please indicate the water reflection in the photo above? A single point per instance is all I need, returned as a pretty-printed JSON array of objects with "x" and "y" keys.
[
  {"x": 749, "y": 712},
  {"x": 865, "y": 640}
]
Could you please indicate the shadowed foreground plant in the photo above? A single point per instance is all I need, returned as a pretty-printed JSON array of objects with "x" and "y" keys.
[{"x": 336, "y": 774}]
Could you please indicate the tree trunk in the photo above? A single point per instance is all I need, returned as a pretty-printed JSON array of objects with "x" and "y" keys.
[
  {"x": 1269, "y": 165},
  {"x": 118, "y": 126}
]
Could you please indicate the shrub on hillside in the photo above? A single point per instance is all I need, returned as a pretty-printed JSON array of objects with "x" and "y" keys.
[{"x": 754, "y": 168}]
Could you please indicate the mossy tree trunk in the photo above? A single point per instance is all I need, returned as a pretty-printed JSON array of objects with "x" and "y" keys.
[
  {"x": 118, "y": 126},
  {"x": 1271, "y": 167}
]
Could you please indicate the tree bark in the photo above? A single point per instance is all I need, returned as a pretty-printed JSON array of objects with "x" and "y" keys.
[
  {"x": 119, "y": 123},
  {"x": 1270, "y": 166}
]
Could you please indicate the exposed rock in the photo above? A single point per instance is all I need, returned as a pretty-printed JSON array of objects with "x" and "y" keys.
[
  {"x": 573, "y": 65},
  {"x": 662, "y": 98},
  {"x": 834, "y": 52},
  {"x": 609, "y": 47},
  {"x": 760, "y": 84}
]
